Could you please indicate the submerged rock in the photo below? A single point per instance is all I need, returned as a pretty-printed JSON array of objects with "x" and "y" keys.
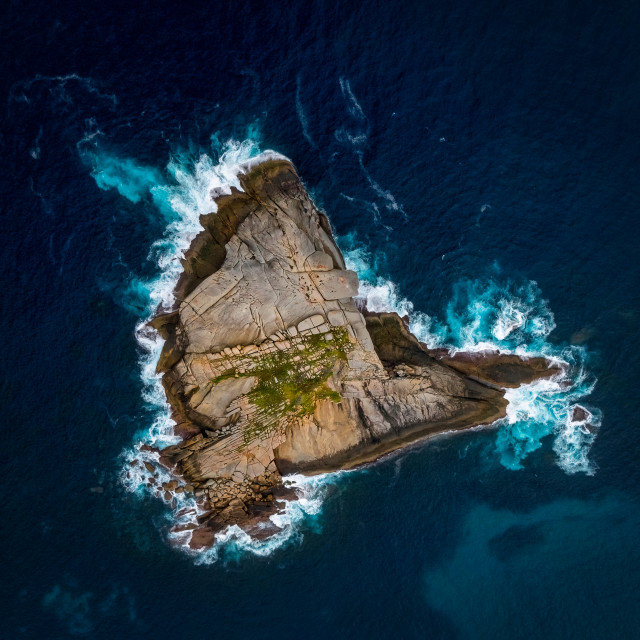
[{"x": 272, "y": 369}]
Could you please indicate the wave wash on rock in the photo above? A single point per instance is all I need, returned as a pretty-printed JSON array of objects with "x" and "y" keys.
[
  {"x": 495, "y": 313},
  {"x": 272, "y": 369}
]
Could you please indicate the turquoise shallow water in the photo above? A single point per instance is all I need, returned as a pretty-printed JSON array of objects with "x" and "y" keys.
[{"x": 478, "y": 163}]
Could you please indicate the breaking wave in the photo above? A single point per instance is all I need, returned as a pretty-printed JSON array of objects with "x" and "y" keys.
[
  {"x": 181, "y": 193},
  {"x": 497, "y": 314},
  {"x": 233, "y": 543}
]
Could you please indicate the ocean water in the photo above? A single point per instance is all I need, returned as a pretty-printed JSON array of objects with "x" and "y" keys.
[{"x": 479, "y": 164}]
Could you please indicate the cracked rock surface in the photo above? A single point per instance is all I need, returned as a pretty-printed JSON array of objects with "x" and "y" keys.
[{"x": 271, "y": 368}]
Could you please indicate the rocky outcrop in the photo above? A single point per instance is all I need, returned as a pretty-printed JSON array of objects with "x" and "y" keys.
[{"x": 271, "y": 368}]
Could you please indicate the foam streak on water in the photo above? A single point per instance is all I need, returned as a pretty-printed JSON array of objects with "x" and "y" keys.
[
  {"x": 354, "y": 135},
  {"x": 497, "y": 314}
]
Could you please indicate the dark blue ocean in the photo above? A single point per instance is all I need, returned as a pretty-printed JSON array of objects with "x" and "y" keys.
[{"x": 479, "y": 162}]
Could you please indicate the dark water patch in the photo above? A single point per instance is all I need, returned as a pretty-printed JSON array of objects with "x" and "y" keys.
[
  {"x": 549, "y": 579},
  {"x": 514, "y": 540}
]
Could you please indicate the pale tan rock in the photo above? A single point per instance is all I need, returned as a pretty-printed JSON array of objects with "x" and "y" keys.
[
  {"x": 214, "y": 400},
  {"x": 336, "y": 318},
  {"x": 336, "y": 284},
  {"x": 305, "y": 325},
  {"x": 319, "y": 261}
]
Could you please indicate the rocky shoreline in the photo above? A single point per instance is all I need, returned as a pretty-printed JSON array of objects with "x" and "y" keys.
[{"x": 271, "y": 368}]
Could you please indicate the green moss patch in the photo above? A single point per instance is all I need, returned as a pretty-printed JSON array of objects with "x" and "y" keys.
[
  {"x": 225, "y": 375},
  {"x": 286, "y": 388},
  {"x": 291, "y": 382}
]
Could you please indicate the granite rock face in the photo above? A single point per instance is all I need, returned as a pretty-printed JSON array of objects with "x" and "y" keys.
[{"x": 271, "y": 368}]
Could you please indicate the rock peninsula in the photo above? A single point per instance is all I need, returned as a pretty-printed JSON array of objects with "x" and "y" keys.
[{"x": 271, "y": 367}]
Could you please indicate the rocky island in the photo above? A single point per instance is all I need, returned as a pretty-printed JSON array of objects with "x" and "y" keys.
[{"x": 271, "y": 367}]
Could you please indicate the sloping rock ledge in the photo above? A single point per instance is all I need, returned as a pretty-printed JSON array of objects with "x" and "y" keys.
[{"x": 271, "y": 368}]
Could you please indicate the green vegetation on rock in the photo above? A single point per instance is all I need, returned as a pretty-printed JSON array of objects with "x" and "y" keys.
[{"x": 292, "y": 381}]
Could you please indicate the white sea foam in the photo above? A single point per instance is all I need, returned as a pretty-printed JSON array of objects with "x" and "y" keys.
[
  {"x": 381, "y": 294},
  {"x": 546, "y": 408},
  {"x": 490, "y": 315},
  {"x": 311, "y": 492},
  {"x": 354, "y": 106},
  {"x": 389, "y": 199}
]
